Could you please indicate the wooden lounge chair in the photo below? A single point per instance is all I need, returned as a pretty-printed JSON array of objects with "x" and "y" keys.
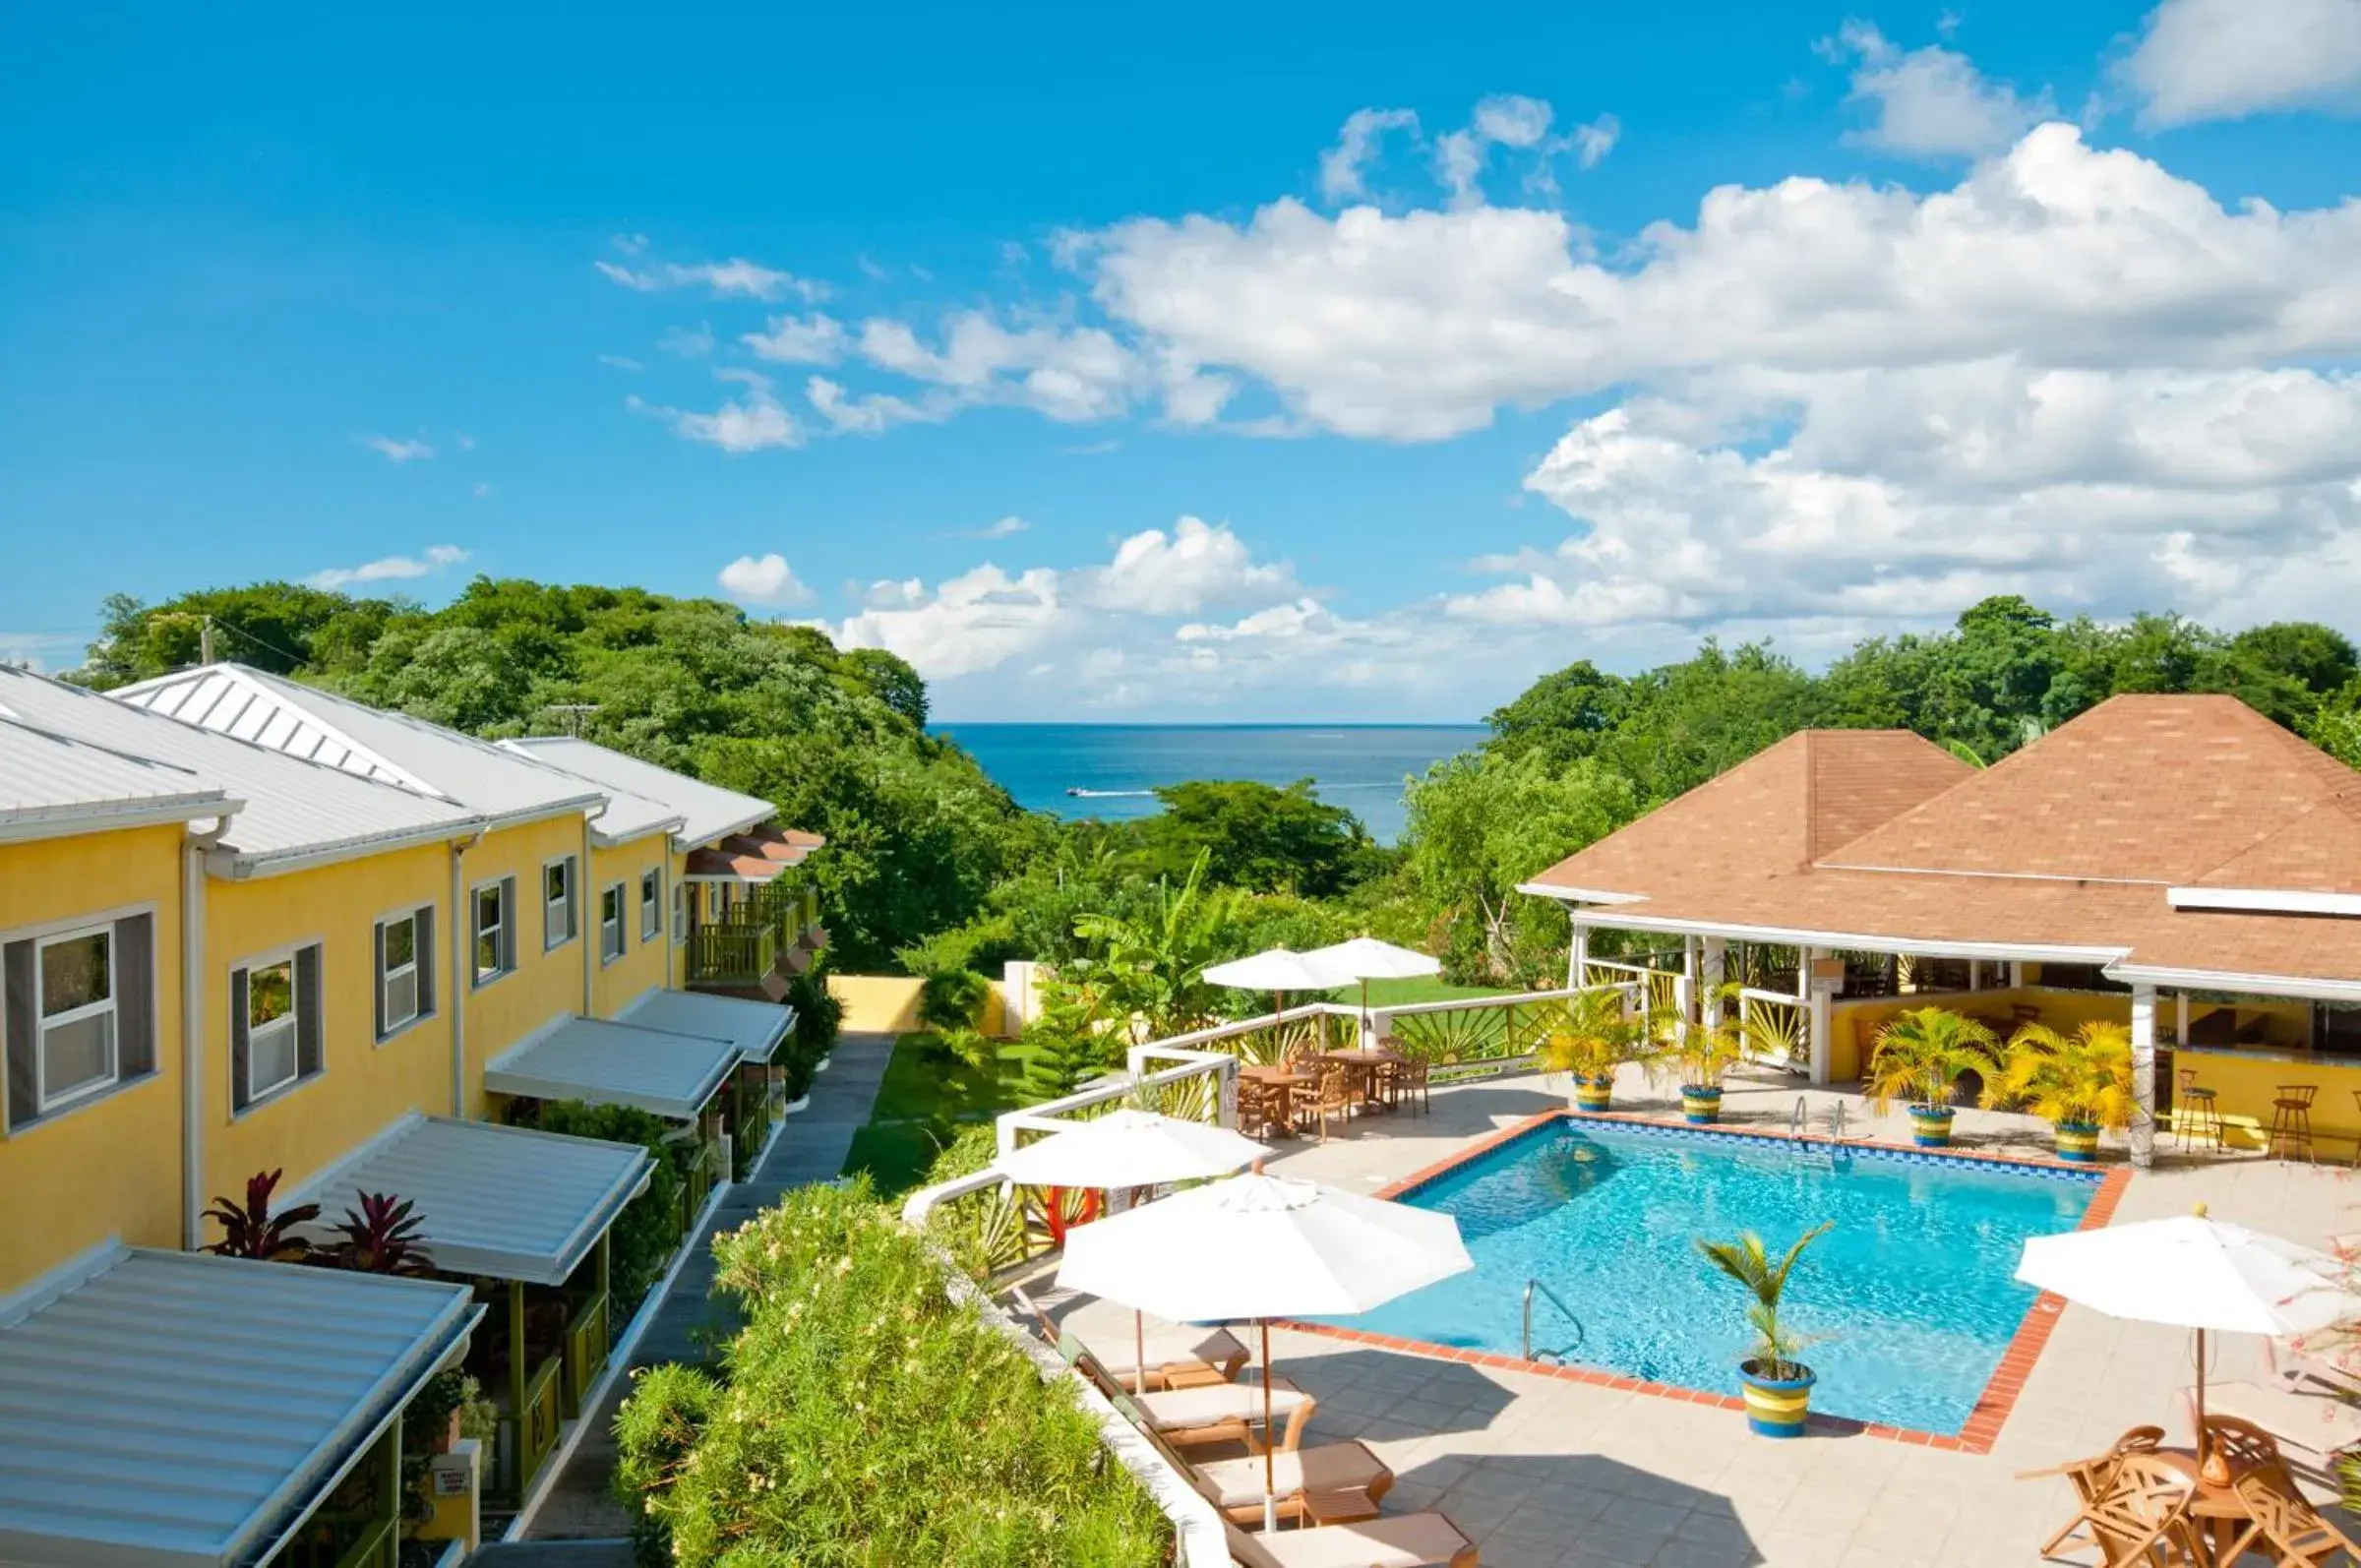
[
  {"x": 2280, "y": 1520},
  {"x": 2091, "y": 1478},
  {"x": 2310, "y": 1428},
  {"x": 2145, "y": 1511},
  {"x": 1326, "y": 1483},
  {"x": 1406, "y": 1540},
  {"x": 1214, "y": 1412},
  {"x": 1177, "y": 1355}
]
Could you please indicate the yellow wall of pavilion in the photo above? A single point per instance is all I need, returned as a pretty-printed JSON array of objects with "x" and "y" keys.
[
  {"x": 644, "y": 965},
  {"x": 364, "y": 1085},
  {"x": 546, "y": 983},
  {"x": 111, "y": 1166}
]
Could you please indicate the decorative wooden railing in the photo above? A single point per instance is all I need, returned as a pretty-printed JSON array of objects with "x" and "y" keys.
[
  {"x": 379, "y": 1546},
  {"x": 1776, "y": 1028},
  {"x": 534, "y": 1433},
  {"x": 585, "y": 1351},
  {"x": 735, "y": 952}
]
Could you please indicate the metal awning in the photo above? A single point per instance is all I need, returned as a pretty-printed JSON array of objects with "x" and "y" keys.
[
  {"x": 616, "y": 1065},
  {"x": 755, "y": 1028},
  {"x": 758, "y": 855},
  {"x": 508, "y": 1203},
  {"x": 174, "y": 1409}
]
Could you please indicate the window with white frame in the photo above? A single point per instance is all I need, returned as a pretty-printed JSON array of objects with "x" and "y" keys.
[
  {"x": 651, "y": 904},
  {"x": 76, "y": 1014},
  {"x": 406, "y": 969},
  {"x": 680, "y": 912},
  {"x": 558, "y": 895},
  {"x": 610, "y": 924},
  {"x": 494, "y": 943},
  {"x": 274, "y": 1025}
]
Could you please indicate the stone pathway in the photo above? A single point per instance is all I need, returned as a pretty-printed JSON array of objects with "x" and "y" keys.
[{"x": 690, "y": 1324}]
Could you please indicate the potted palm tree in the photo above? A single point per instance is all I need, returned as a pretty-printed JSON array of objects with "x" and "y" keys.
[
  {"x": 1589, "y": 1042},
  {"x": 2077, "y": 1083},
  {"x": 1778, "y": 1387},
  {"x": 1700, "y": 1055},
  {"x": 1921, "y": 1055}
]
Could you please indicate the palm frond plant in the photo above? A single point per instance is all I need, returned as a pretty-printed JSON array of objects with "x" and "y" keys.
[
  {"x": 2078, "y": 1083},
  {"x": 1593, "y": 1038},
  {"x": 1920, "y": 1055},
  {"x": 1777, "y": 1386},
  {"x": 1700, "y": 1055},
  {"x": 252, "y": 1231},
  {"x": 383, "y": 1236}
]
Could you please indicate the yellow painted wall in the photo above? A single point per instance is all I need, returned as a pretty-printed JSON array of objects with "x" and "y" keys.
[
  {"x": 2245, "y": 1086},
  {"x": 1854, "y": 1025},
  {"x": 363, "y": 1086},
  {"x": 110, "y": 1167},
  {"x": 545, "y": 984},
  {"x": 889, "y": 1004},
  {"x": 644, "y": 965}
]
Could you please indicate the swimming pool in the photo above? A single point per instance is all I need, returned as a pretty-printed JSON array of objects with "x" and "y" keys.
[{"x": 1910, "y": 1297}]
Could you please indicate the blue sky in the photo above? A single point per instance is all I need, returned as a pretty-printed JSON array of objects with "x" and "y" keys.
[{"x": 1281, "y": 365}]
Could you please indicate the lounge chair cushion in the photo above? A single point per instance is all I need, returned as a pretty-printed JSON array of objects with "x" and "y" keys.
[
  {"x": 2309, "y": 1426},
  {"x": 1328, "y": 1468},
  {"x": 1180, "y": 1409},
  {"x": 1406, "y": 1540},
  {"x": 1167, "y": 1344}
]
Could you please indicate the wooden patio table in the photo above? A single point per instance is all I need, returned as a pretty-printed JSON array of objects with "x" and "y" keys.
[
  {"x": 1364, "y": 1060},
  {"x": 2217, "y": 1510},
  {"x": 1284, "y": 1079}
]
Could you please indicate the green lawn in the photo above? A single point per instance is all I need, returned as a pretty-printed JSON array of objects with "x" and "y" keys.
[
  {"x": 1404, "y": 992},
  {"x": 927, "y": 1097}
]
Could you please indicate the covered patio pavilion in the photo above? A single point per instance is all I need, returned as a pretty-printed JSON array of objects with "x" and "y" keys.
[{"x": 2180, "y": 863}]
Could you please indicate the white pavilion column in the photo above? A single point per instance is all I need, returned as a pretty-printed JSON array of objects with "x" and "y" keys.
[
  {"x": 2143, "y": 1134},
  {"x": 1684, "y": 990},
  {"x": 2180, "y": 1019},
  {"x": 1818, "y": 996},
  {"x": 1975, "y": 974},
  {"x": 2015, "y": 973},
  {"x": 1713, "y": 965},
  {"x": 1578, "y": 956}
]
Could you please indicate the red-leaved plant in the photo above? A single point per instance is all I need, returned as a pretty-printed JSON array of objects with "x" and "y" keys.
[
  {"x": 382, "y": 1236},
  {"x": 252, "y": 1231}
]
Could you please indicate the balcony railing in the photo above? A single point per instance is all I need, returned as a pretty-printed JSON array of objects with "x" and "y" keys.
[
  {"x": 586, "y": 1344},
  {"x": 733, "y": 953}
]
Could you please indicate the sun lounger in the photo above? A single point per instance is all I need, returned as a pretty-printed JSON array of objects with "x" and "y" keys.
[
  {"x": 1406, "y": 1540},
  {"x": 1177, "y": 1355},
  {"x": 1329, "y": 1483},
  {"x": 2311, "y": 1428},
  {"x": 1222, "y": 1413}
]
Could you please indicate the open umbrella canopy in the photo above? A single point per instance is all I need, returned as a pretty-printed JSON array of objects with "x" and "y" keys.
[
  {"x": 1130, "y": 1149},
  {"x": 1367, "y": 958},
  {"x": 1279, "y": 969},
  {"x": 2193, "y": 1272},
  {"x": 1261, "y": 1246}
]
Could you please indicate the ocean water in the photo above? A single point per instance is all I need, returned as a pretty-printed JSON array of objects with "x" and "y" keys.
[
  {"x": 1907, "y": 1304},
  {"x": 1109, "y": 770}
]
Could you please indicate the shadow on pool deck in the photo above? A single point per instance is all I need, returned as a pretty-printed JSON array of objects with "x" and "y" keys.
[{"x": 1577, "y": 1510}]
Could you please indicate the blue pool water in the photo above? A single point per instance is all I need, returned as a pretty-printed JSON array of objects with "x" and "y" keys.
[{"x": 1911, "y": 1297}]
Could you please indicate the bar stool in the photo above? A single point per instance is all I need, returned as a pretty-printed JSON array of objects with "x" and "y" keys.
[
  {"x": 2291, "y": 1122},
  {"x": 2196, "y": 1112}
]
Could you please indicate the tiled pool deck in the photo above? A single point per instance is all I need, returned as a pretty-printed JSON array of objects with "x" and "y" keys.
[{"x": 1550, "y": 1466}]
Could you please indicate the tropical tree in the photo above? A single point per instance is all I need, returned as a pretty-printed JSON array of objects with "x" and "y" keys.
[
  {"x": 2082, "y": 1079},
  {"x": 1594, "y": 1037},
  {"x": 1747, "y": 1261},
  {"x": 1701, "y": 1052},
  {"x": 1921, "y": 1055},
  {"x": 1150, "y": 967}
]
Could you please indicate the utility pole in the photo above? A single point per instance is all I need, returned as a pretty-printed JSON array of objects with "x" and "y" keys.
[
  {"x": 573, "y": 712},
  {"x": 205, "y": 642}
]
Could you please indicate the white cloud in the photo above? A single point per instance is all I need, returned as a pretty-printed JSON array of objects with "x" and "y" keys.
[
  {"x": 687, "y": 342},
  {"x": 398, "y": 452},
  {"x": 813, "y": 340},
  {"x": 1071, "y": 374},
  {"x": 736, "y": 277},
  {"x": 1595, "y": 140},
  {"x": 629, "y": 244},
  {"x": 2222, "y": 59},
  {"x": 1931, "y": 102},
  {"x": 620, "y": 362},
  {"x": 753, "y": 422},
  {"x": 1357, "y": 146},
  {"x": 1196, "y": 564},
  {"x": 1000, "y": 528},
  {"x": 464, "y": 440},
  {"x": 872, "y": 413},
  {"x": 391, "y": 569},
  {"x": 481, "y": 490},
  {"x": 972, "y": 622},
  {"x": 767, "y": 580}
]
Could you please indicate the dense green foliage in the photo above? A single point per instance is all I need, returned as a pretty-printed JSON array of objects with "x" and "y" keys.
[
  {"x": 644, "y": 1233},
  {"x": 931, "y": 1097},
  {"x": 1254, "y": 836},
  {"x": 864, "y": 1417}
]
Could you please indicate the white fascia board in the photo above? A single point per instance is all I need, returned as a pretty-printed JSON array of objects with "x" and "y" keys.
[
  {"x": 1857, "y": 941},
  {"x": 232, "y": 866},
  {"x": 70, "y": 821},
  {"x": 2308, "y": 987},
  {"x": 669, "y": 824},
  {"x": 1579, "y": 895},
  {"x": 2263, "y": 900},
  {"x": 735, "y": 829}
]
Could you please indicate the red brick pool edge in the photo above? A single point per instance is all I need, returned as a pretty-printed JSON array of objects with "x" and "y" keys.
[{"x": 1975, "y": 1436}]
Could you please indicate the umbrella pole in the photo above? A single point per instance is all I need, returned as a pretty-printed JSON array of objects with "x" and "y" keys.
[
  {"x": 1270, "y": 1460},
  {"x": 1139, "y": 1353},
  {"x": 1364, "y": 1039},
  {"x": 2203, "y": 1458}
]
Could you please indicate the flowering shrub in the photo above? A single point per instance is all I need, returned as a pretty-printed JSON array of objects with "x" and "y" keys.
[{"x": 863, "y": 1417}]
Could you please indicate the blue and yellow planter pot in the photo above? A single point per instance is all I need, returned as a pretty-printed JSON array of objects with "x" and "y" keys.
[
  {"x": 2077, "y": 1141},
  {"x": 1701, "y": 1104},
  {"x": 1777, "y": 1408},
  {"x": 1930, "y": 1126},
  {"x": 1593, "y": 1094}
]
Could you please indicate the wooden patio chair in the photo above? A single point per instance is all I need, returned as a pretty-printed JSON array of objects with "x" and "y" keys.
[
  {"x": 1178, "y": 1356},
  {"x": 2091, "y": 1478},
  {"x": 1408, "y": 1078},
  {"x": 2285, "y": 1527},
  {"x": 1328, "y": 1484},
  {"x": 1262, "y": 1108},
  {"x": 2145, "y": 1511},
  {"x": 2242, "y": 1444},
  {"x": 1335, "y": 1096}
]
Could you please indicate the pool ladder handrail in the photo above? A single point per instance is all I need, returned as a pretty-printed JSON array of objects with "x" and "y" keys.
[
  {"x": 1533, "y": 1286},
  {"x": 1799, "y": 1123}
]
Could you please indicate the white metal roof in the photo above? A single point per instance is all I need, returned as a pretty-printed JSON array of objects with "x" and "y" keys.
[
  {"x": 755, "y": 1028},
  {"x": 627, "y": 815},
  {"x": 607, "y": 1064},
  {"x": 304, "y": 722},
  {"x": 508, "y": 1204},
  {"x": 54, "y": 783},
  {"x": 707, "y": 811},
  {"x": 172, "y": 1410},
  {"x": 294, "y": 811}
]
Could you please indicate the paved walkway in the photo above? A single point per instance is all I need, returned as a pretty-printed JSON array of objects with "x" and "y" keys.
[{"x": 690, "y": 1325}]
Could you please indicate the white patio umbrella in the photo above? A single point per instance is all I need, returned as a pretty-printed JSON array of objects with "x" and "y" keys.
[
  {"x": 1130, "y": 1149},
  {"x": 1259, "y": 1246},
  {"x": 1366, "y": 959},
  {"x": 2197, "y": 1273},
  {"x": 1277, "y": 971}
]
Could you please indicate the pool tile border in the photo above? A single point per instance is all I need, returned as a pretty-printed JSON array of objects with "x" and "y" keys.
[{"x": 1977, "y": 1434}]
